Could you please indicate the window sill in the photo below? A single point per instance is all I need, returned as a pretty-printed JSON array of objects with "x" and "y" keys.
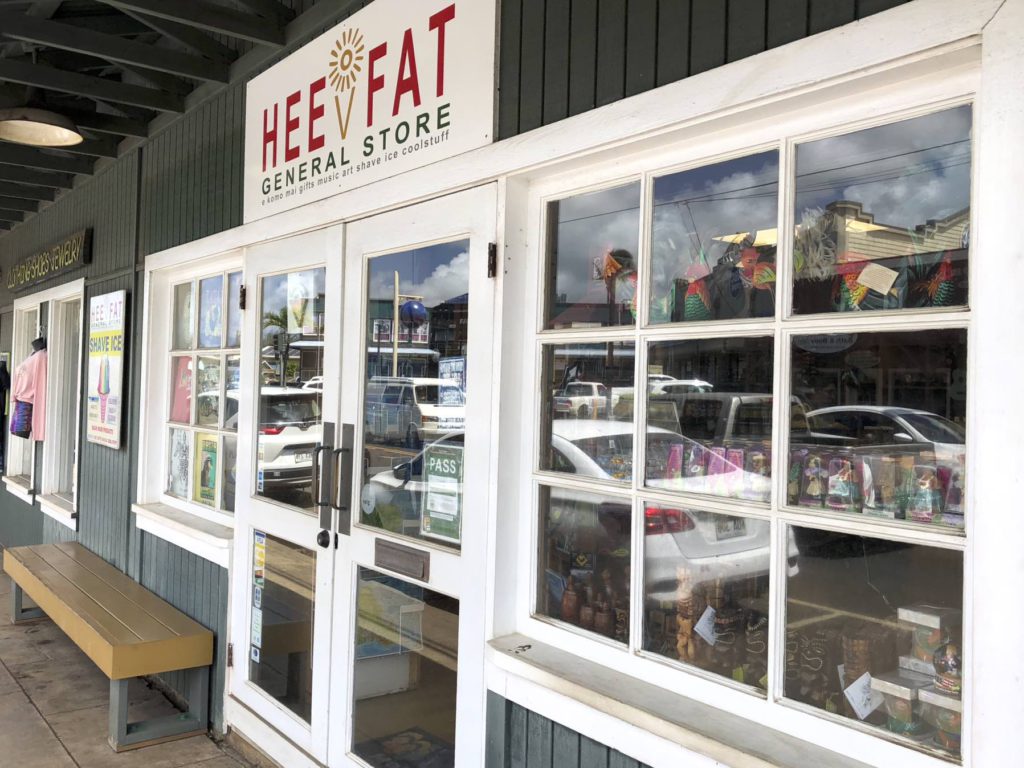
[
  {"x": 60, "y": 510},
  {"x": 721, "y": 736},
  {"x": 19, "y": 486},
  {"x": 210, "y": 541}
]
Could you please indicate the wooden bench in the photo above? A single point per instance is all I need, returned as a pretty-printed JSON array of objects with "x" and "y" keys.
[{"x": 124, "y": 628}]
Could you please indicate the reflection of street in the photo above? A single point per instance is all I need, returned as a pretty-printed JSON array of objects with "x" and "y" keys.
[{"x": 380, "y": 458}]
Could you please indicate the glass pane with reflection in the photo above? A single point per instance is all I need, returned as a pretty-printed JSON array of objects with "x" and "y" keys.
[
  {"x": 291, "y": 367},
  {"x": 714, "y": 239},
  {"x": 886, "y": 425},
  {"x": 234, "y": 310},
  {"x": 183, "y": 326},
  {"x": 706, "y": 591},
  {"x": 406, "y": 674},
  {"x": 883, "y": 216},
  {"x": 281, "y": 622},
  {"x": 587, "y": 415},
  {"x": 414, "y": 411},
  {"x": 211, "y": 315},
  {"x": 873, "y": 633},
  {"x": 585, "y": 560},
  {"x": 181, "y": 389},
  {"x": 592, "y": 243},
  {"x": 208, "y": 391},
  {"x": 229, "y": 464},
  {"x": 709, "y": 416}
]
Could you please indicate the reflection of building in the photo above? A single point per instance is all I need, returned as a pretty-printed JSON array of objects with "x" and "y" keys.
[
  {"x": 857, "y": 233},
  {"x": 444, "y": 334}
]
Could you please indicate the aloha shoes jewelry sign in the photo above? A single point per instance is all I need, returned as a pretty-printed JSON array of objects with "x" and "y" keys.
[{"x": 396, "y": 86}]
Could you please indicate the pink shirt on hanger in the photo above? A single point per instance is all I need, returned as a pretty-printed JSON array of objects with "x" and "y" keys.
[{"x": 29, "y": 386}]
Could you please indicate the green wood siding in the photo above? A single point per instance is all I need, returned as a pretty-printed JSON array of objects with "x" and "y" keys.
[
  {"x": 558, "y": 59},
  {"x": 519, "y": 738}
]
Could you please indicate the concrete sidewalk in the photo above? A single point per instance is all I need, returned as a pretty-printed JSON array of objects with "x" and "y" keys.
[{"x": 53, "y": 707}]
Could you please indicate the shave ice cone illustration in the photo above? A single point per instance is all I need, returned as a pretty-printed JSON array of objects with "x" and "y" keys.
[
  {"x": 345, "y": 65},
  {"x": 103, "y": 387}
]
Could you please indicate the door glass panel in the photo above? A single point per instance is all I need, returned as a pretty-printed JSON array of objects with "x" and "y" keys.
[
  {"x": 405, "y": 677},
  {"x": 234, "y": 310},
  {"x": 415, "y": 405},
  {"x": 291, "y": 367},
  {"x": 281, "y": 622}
]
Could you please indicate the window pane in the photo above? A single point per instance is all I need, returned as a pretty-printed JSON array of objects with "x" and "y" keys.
[
  {"x": 182, "y": 316},
  {"x": 211, "y": 300},
  {"x": 406, "y": 674},
  {"x": 208, "y": 388},
  {"x": 713, "y": 242},
  {"x": 587, "y": 426},
  {"x": 291, "y": 357},
  {"x": 204, "y": 472},
  {"x": 709, "y": 416},
  {"x": 234, "y": 310},
  {"x": 414, "y": 411},
  {"x": 883, "y": 216},
  {"x": 181, "y": 389},
  {"x": 229, "y": 465},
  {"x": 585, "y": 561},
  {"x": 885, "y": 428},
  {"x": 873, "y": 634},
  {"x": 706, "y": 591},
  {"x": 180, "y": 453},
  {"x": 281, "y": 626},
  {"x": 593, "y": 240},
  {"x": 232, "y": 379}
]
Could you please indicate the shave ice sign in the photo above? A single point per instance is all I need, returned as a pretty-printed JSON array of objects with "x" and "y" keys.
[{"x": 396, "y": 86}]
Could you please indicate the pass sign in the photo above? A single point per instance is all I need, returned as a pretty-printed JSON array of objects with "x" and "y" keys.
[
  {"x": 441, "y": 516},
  {"x": 396, "y": 86}
]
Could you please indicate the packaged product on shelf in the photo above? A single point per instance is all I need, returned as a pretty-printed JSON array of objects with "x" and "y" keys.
[
  {"x": 946, "y": 714},
  {"x": 902, "y": 704},
  {"x": 843, "y": 485},
  {"x": 926, "y": 503},
  {"x": 930, "y": 627},
  {"x": 948, "y": 670},
  {"x": 880, "y": 486},
  {"x": 814, "y": 483},
  {"x": 795, "y": 477}
]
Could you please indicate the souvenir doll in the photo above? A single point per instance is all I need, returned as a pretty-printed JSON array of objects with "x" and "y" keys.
[
  {"x": 734, "y": 471},
  {"x": 843, "y": 486},
  {"x": 813, "y": 482},
  {"x": 925, "y": 504}
]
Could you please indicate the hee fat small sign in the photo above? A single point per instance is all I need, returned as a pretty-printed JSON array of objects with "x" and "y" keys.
[
  {"x": 396, "y": 86},
  {"x": 106, "y": 369}
]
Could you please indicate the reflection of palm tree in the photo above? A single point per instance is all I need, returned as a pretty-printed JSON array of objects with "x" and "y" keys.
[{"x": 277, "y": 319}]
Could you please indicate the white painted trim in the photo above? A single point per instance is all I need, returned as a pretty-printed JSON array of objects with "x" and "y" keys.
[
  {"x": 269, "y": 741},
  {"x": 208, "y": 540},
  {"x": 57, "y": 293},
  {"x": 19, "y": 489},
  {"x": 59, "y": 510}
]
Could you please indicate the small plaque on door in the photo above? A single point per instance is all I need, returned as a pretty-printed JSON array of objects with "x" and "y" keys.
[{"x": 414, "y": 563}]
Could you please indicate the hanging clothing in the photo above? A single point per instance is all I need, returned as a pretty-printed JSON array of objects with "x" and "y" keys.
[{"x": 30, "y": 387}]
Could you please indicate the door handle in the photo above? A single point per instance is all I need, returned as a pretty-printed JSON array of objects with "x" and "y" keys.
[
  {"x": 322, "y": 479},
  {"x": 343, "y": 459}
]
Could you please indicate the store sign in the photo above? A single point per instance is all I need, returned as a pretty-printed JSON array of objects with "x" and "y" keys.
[
  {"x": 70, "y": 253},
  {"x": 394, "y": 87},
  {"x": 106, "y": 369},
  {"x": 442, "y": 505}
]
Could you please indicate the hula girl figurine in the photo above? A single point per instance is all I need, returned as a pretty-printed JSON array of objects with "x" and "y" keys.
[{"x": 814, "y": 482}]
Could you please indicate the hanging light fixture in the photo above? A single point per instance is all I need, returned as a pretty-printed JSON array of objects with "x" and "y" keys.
[{"x": 37, "y": 128}]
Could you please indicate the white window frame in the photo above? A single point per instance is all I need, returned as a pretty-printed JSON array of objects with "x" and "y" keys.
[
  {"x": 57, "y": 436},
  {"x": 780, "y": 130},
  {"x": 204, "y": 530}
]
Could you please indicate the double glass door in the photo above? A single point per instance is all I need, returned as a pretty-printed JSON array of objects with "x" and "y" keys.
[{"x": 365, "y": 406}]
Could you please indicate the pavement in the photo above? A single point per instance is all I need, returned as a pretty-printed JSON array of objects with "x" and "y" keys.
[{"x": 54, "y": 702}]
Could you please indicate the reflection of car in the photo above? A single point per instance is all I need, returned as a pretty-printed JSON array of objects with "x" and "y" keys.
[
  {"x": 413, "y": 409},
  {"x": 289, "y": 428},
  {"x": 581, "y": 398},
  {"x": 314, "y": 382},
  {"x": 867, "y": 425},
  {"x": 658, "y": 386}
]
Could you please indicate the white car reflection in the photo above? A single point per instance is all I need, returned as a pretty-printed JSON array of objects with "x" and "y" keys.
[
  {"x": 713, "y": 546},
  {"x": 866, "y": 425}
]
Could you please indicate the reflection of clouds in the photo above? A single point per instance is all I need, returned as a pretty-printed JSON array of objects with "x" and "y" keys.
[
  {"x": 448, "y": 280},
  {"x": 693, "y": 207},
  {"x": 904, "y": 173},
  {"x": 589, "y": 225},
  {"x": 275, "y": 294}
]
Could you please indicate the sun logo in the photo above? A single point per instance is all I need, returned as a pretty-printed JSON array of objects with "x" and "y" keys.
[{"x": 346, "y": 60}]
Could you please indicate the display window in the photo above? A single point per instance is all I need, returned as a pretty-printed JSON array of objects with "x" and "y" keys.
[
  {"x": 750, "y": 444},
  {"x": 45, "y": 370}
]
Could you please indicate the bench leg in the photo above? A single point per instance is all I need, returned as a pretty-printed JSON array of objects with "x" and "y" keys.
[
  {"x": 124, "y": 735},
  {"x": 18, "y": 611}
]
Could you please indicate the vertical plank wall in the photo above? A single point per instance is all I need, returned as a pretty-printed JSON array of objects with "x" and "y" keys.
[
  {"x": 519, "y": 738},
  {"x": 561, "y": 58}
]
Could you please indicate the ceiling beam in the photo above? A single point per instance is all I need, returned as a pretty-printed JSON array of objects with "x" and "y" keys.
[
  {"x": 6, "y": 215},
  {"x": 191, "y": 38},
  {"x": 209, "y": 17},
  {"x": 12, "y": 154},
  {"x": 19, "y": 204},
  {"x": 270, "y": 9},
  {"x": 159, "y": 80},
  {"x": 92, "y": 148},
  {"x": 110, "y": 48},
  {"x": 118, "y": 126},
  {"x": 36, "y": 178},
  {"x": 28, "y": 192},
  {"x": 86, "y": 85},
  {"x": 4, "y": 226}
]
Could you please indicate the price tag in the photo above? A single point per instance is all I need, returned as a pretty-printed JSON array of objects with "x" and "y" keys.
[
  {"x": 862, "y": 698},
  {"x": 877, "y": 278},
  {"x": 706, "y": 626}
]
